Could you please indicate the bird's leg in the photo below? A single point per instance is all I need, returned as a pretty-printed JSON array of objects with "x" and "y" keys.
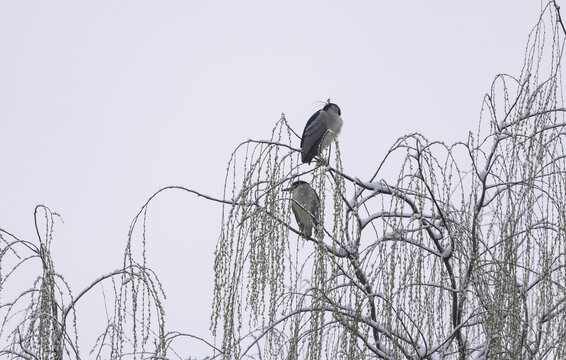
[
  {"x": 301, "y": 231},
  {"x": 322, "y": 161}
]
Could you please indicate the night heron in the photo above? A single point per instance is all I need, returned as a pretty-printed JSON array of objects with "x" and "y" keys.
[
  {"x": 322, "y": 127},
  {"x": 306, "y": 206}
]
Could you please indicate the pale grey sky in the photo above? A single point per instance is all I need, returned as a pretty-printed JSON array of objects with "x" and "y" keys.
[{"x": 102, "y": 103}]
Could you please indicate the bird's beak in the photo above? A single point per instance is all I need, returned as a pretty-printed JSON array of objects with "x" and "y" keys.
[{"x": 288, "y": 189}]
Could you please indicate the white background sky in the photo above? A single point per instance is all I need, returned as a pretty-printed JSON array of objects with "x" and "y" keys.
[{"x": 102, "y": 103}]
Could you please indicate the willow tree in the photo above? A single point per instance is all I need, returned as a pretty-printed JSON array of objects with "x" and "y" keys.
[
  {"x": 460, "y": 255},
  {"x": 448, "y": 251},
  {"x": 38, "y": 312}
]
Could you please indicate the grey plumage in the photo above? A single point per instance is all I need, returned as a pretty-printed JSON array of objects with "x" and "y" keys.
[
  {"x": 322, "y": 127},
  {"x": 305, "y": 206}
]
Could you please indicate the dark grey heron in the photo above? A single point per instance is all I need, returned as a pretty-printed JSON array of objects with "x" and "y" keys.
[
  {"x": 305, "y": 206},
  {"x": 322, "y": 127}
]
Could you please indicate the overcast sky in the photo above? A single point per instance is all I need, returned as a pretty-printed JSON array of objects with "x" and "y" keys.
[{"x": 104, "y": 102}]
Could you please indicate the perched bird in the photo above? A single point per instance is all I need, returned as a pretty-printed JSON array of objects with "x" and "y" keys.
[
  {"x": 306, "y": 206},
  {"x": 322, "y": 127}
]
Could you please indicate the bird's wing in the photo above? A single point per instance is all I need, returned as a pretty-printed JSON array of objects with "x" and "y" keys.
[
  {"x": 311, "y": 119},
  {"x": 313, "y": 134}
]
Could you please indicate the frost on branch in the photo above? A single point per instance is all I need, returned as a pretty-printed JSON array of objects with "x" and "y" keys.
[{"x": 447, "y": 251}]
